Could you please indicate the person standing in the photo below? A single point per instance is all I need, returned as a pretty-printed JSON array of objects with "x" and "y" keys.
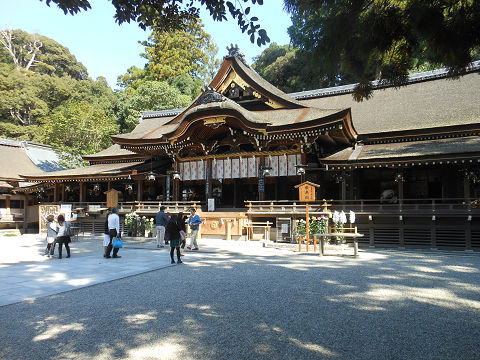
[
  {"x": 173, "y": 229},
  {"x": 51, "y": 235},
  {"x": 106, "y": 236},
  {"x": 183, "y": 232},
  {"x": 161, "y": 221},
  {"x": 113, "y": 222},
  {"x": 194, "y": 222},
  {"x": 63, "y": 235}
]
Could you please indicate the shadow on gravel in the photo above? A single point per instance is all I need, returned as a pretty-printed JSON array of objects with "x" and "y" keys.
[{"x": 284, "y": 306}]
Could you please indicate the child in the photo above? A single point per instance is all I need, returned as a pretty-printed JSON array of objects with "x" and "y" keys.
[{"x": 51, "y": 236}]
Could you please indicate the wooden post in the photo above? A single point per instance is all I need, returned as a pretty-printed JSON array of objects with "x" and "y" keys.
[
  {"x": 299, "y": 244},
  {"x": 466, "y": 189},
  {"x": 25, "y": 207},
  {"x": 82, "y": 191},
  {"x": 63, "y": 192},
  {"x": 228, "y": 229},
  {"x": 7, "y": 205},
  {"x": 308, "y": 226},
  {"x": 139, "y": 190},
  {"x": 55, "y": 193}
]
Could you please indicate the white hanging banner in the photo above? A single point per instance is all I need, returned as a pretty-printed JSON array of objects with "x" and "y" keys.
[
  {"x": 219, "y": 169},
  {"x": 273, "y": 163},
  {"x": 252, "y": 171},
  {"x": 227, "y": 168},
  {"x": 181, "y": 172},
  {"x": 193, "y": 170},
  {"x": 282, "y": 165},
  {"x": 186, "y": 171},
  {"x": 214, "y": 169},
  {"x": 244, "y": 168},
  {"x": 235, "y": 168},
  {"x": 292, "y": 162},
  {"x": 200, "y": 170}
]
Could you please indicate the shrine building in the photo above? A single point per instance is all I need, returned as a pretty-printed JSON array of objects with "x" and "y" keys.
[{"x": 407, "y": 160}]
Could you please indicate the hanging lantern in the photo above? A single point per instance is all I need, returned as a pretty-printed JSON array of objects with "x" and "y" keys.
[{"x": 151, "y": 176}]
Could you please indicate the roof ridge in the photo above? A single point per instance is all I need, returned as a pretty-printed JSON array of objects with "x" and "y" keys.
[
  {"x": 161, "y": 113},
  {"x": 412, "y": 78}
]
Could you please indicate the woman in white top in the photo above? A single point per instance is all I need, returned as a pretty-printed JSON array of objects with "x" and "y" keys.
[
  {"x": 63, "y": 236},
  {"x": 113, "y": 231},
  {"x": 51, "y": 235}
]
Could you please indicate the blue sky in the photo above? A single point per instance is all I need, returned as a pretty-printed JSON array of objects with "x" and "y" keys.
[{"x": 107, "y": 49}]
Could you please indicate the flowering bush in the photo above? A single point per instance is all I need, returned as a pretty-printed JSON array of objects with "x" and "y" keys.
[
  {"x": 317, "y": 225},
  {"x": 137, "y": 225}
]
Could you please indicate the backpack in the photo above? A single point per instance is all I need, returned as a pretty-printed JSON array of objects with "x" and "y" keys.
[{"x": 68, "y": 229}]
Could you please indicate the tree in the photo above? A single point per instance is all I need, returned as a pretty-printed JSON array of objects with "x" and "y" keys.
[
  {"x": 166, "y": 15},
  {"x": 38, "y": 54},
  {"x": 78, "y": 128},
  {"x": 189, "y": 51},
  {"x": 382, "y": 40},
  {"x": 149, "y": 96},
  {"x": 291, "y": 69},
  {"x": 52, "y": 100}
]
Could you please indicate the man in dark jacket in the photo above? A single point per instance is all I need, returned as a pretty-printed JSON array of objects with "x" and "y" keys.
[{"x": 161, "y": 221}]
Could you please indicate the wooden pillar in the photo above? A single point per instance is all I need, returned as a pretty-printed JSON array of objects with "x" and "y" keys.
[
  {"x": 139, "y": 190},
  {"x": 261, "y": 179},
  {"x": 55, "y": 193},
  {"x": 208, "y": 180},
  {"x": 401, "y": 235},
  {"x": 63, "y": 192},
  {"x": 344, "y": 187},
  {"x": 7, "y": 206},
  {"x": 400, "y": 181},
  {"x": 82, "y": 196},
  {"x": 466, "y": 188},
  {"x": 228, "y": 230},
  {"x": 25, "y": 207},
  {"x": 468, "y": 235},
  {"x": 433, "y": 234},
  {"x": 176, "y": 189}
]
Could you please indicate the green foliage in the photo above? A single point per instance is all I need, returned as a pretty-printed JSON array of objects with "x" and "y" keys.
[
  {"x": 188, "y": 51},
  {"x": 292, "y": 70},
  {"x": 149, "y": 96},
  {"x": 166, "y": 15},
  {"x": 54, "y": 102},
  {"x": 317, "y": 225},
  {"x": 77, "y": 128},
  {"x": 384, "y": 39},
  {"x": 51, "y": 59}
]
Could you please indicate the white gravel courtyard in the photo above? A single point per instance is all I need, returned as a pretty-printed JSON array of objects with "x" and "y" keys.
[{"x": 237, "y": 300}]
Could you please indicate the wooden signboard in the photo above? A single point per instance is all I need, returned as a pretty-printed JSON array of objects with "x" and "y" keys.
[
  {"x": 112, "y": 198},
  {"x": 43, "y": 212},
  {"x": 306, "y": 191}
]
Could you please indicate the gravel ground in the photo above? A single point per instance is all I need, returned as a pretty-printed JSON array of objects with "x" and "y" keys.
[{"x": 262, "y": 305}]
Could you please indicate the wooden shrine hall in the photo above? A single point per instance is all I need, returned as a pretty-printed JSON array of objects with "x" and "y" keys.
[{"x": 404, "y": 159}]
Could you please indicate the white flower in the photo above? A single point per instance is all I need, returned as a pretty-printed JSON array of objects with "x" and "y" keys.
[
  {"x": 343, "y": 217},
  {"x": 352, "y": 217},
  {"x": 336, "y": 217}
]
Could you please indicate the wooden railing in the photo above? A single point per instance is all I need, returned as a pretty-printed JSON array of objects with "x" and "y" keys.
[
  {"x": 142, "y": 207},
  {"x": 410, "y": 206},
  {"x": 151, "y": 207}
]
